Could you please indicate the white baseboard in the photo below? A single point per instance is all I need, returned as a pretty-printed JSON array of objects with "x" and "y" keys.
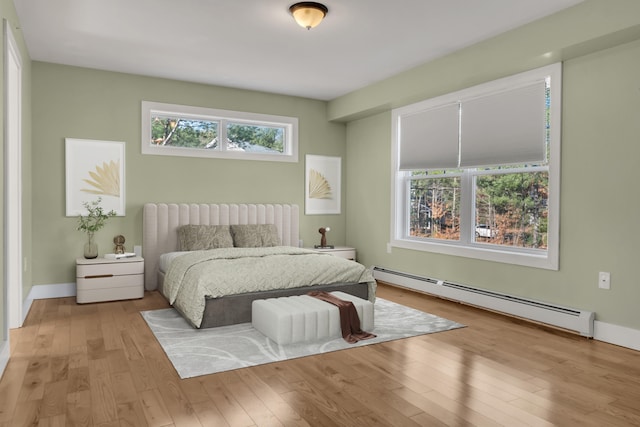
[
  {"x": 617, "y": 335},
  {"x": 56, "y": 290},
  {"x": 4, "y": 355}
]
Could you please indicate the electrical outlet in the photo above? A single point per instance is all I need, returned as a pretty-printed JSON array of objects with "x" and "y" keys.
[
  {"x": 388, "y": 248},
  {"x": 604, "y": 280}
]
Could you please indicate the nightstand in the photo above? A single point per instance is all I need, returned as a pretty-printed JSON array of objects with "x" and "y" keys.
[
  {"x": 340, "y": 251},
  {"x": 102, "y": 279}
]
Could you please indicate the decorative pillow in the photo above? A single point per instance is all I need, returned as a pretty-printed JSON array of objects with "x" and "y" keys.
[
  {"x": 255, "y": 235},
  {"x": 201, "y": 237}
]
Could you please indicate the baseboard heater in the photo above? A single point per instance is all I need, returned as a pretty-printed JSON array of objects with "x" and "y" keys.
[{"x": 572, "y": 319}]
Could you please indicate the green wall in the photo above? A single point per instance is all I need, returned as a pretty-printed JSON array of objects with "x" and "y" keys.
[
  {"x": 600, "y": 206},
  {"x": 71, "y": 102}
]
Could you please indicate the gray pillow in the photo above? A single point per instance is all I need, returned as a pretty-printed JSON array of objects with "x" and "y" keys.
[
  {"x": 255, "y": 235},
  {"x": 201, "y": 237}
]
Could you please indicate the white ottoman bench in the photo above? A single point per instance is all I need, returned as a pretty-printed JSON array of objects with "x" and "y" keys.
[{"x": 300, "y": 318}]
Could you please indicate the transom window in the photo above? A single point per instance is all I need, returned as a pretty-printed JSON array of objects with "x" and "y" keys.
[
  {"x": 178, "y": 130},
  {"x": 477, "y": 171}
]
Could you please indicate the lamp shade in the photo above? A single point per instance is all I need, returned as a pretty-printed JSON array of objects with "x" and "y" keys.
[{"x": 308, "y": 14}]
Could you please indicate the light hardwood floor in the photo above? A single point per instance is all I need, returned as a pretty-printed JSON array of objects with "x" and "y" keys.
[{"x": 99, "y": 365}]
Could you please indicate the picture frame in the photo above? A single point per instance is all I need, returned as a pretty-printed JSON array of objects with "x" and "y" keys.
[
  {"x": 94, "y": 169},
  {"x": 322, "y": 184}
]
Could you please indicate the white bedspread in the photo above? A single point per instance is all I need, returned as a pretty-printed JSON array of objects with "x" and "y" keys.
[{"x": 197, "y": 275}]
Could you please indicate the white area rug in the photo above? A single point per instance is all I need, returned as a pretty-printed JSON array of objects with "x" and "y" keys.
[{"x": 196, "y": 352}]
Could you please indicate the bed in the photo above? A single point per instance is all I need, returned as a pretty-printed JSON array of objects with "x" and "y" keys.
[{"x": 162, "y": 244}]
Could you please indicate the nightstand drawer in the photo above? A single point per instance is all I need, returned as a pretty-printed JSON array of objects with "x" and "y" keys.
[
  {"x": 344, "y": 253},
  {"x": 339, "y": 251},
  {"x": 97, "y": 290},
  {"x": 123, "y": 281},
  {"x": 115, "y": 268}
]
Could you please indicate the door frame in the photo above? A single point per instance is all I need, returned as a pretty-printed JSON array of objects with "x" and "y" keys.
[{"x": 13, "y": 301}]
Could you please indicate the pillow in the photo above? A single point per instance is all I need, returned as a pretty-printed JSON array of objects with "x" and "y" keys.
[
  {"x": 255, "y": 235},
  {"x": 201, "y": 237}
]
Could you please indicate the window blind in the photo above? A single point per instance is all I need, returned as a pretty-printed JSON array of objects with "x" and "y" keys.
[
  {"x": 504, "y": 128},
  {"x": 429, "y": 139},
  {"x": 499, "y": 128}
]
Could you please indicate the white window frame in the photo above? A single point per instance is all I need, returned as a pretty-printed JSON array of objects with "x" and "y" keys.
[
  {"x": 466, "y": 246},
  {"x": 290, "y": 125}
]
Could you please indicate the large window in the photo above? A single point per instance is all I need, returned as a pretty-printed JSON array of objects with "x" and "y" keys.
[
  {"x": 178, "y": 130},
  {"x": 477, "y": 171}
]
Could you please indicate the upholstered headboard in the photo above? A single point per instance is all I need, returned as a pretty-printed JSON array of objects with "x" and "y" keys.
[{"x": 160, "y": 224}]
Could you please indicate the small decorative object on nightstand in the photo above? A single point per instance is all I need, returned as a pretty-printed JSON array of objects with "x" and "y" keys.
[
  {"x": 102, "y": 279},
  {"x": 323, "y": 239},
  {"x": 119, "y": 242}
]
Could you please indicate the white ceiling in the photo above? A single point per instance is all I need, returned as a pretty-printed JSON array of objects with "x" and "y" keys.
[{"x": 255, "y": 44}]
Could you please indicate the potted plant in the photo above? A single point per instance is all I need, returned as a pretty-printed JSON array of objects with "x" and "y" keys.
[{"x": 92, "y": 222}]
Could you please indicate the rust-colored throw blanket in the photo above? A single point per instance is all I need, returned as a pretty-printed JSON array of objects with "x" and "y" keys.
[{"x": 349, "y": 320}]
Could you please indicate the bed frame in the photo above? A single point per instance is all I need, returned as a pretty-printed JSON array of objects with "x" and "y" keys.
[{"x": 160, "y": 235}]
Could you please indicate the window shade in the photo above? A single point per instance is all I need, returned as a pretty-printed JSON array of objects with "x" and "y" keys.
[
  {"x": 501, "y": 128},
  {"x": 429, "y": 139},
  {"x": 504, "y": 128}
]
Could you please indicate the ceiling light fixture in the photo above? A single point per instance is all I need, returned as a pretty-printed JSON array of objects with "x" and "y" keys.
[{"x": 308, "y": 14}]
